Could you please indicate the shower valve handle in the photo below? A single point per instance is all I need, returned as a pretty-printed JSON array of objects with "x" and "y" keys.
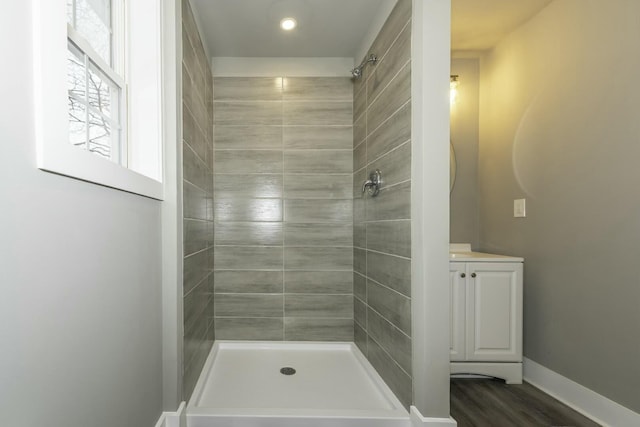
[{"x": 372, "y": 185}]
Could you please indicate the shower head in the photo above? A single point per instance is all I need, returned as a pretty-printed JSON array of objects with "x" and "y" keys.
[{"x": 356, "y": 73}]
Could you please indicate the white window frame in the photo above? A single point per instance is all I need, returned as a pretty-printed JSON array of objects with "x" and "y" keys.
[{"x": 142, "y": 174}]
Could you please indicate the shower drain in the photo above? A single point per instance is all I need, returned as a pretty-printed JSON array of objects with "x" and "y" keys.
[{"x": 287, "y": 371}]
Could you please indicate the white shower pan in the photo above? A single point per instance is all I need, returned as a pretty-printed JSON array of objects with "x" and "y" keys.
[{"x": 334, "y": 385}]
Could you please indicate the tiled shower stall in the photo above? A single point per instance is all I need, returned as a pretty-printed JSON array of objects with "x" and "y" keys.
[{"x": 279, "y": 241}]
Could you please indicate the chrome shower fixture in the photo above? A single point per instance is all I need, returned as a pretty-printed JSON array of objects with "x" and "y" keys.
[{"x": 356, "y": 73}]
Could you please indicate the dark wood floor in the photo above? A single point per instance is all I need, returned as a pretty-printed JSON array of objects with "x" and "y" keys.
[{"x": 492, "y": 403}]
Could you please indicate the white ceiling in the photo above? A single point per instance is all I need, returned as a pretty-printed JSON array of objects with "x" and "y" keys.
[
  {"x": 251, "y": 28},
  {"x": 338, "y": 28},
  {"x": 480, "y": 24}
]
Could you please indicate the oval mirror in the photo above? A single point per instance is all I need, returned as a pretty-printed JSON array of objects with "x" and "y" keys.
[{"x": 452, "y": 167}]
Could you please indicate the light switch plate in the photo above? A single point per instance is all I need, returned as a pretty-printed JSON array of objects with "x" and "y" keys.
[{"x": 519, "y": 208}]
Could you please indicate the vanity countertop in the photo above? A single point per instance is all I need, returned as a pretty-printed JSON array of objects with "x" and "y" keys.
[{"x": 463, "y": 253}]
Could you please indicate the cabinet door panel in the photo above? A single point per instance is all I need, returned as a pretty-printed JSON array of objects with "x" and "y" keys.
[
  {"x": 457, "y": 312},
  {"x": 494, "y": 303}
]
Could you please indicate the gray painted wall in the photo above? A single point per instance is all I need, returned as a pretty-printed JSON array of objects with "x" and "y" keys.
[
  {"x": 382, "y": 225},
  {"x": 559, "y": 125},
  {"x": 283, "y": 208},
  {"x": 80, "y": 285},
  {"x": 464, "y": 212},
  {"x": 197, "y": 165}
]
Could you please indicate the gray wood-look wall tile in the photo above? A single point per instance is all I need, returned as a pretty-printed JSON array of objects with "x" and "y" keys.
[
  {"x": 248, "y": 186},
  {"x": 249, "y": 233},
  {"x": 317, "y": 186},
  {"x": 318, "y": 258},
  {"x": 359, "y": 102},
  {"x": 397, "y": 19},
  {"x": 248, "y": 305},
  {"x": 395, "y": 96},
  {"x": 391, "y": 305},
  {"x": 315, "y": 113},
  {"x": 318, "y": 137},
  {"x": 193, "y": 135},
  {"x": 248, "y": 209},
  {"x": 359, "y": 177},
  {"x": 360, "y": 261},
  {"x": 391, "y": 339},
  {"x": 247, "y": 89},
  {"x": 305, "y": 211},
  {"x": 317, "y": 88},
  {"x": 196, "y": 269},
  {"x": 270, "y": 329},
  {"x": 360, "y": 286},
  {"x": 195, "y": 170},
  {"x": 327, "y": 234},
  {"x": 318, "y": 306},
  {"x": 392, "y": 237},
  {"x": 360, "y": 338},
  {"x": 396, "y": 165},
  {"x": 248, "y": 137},
  {"x": 359, "y": 131},
  {"x": 250, "y": 112},
  {"x": 394, "y": 60},
  {"x": 305, "y": 329},
  {"x": 317, "y": 161},
  {"x": 248, "y": 258},
  {"x": 397, "y": 380},
  {"x": 392, "y": 203},
  {"x": 197, "y": 235},
  {"x": 263, "y": 282},
  {"x": 318, "y": 282},
  {"x": 195, "y": 305},
  {"x": 248, "y": 161},
  {"x": 194, "y": 202},
  {"x": 360, "y": 156},
  {"x": 359, "y": 235},
  {"x": 391, "y": 134},
  {"x": 360, "y": 312}
]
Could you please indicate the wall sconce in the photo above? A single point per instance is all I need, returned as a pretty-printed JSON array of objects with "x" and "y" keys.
[{"x": 453, "y": 89}]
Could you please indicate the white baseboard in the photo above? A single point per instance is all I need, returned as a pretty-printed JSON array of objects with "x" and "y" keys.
[
  {"x": 417, "y": 420},
  {"x": 173, "y": 419},
  {"x": 589, "y": 403}
]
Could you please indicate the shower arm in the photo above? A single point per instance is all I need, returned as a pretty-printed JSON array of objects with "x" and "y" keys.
[{"x": 357, "y": 72}]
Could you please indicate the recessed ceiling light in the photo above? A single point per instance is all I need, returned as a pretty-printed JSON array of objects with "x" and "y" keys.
[{"x": 288, "y": 24}]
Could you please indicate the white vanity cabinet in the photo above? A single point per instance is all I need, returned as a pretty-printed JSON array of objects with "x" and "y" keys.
[{"x": 486, "y": 315}]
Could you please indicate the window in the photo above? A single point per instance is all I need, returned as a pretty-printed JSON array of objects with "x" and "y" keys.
[
  {"x": 95, "y": 85},
  {"x": 99, "y": 93}
]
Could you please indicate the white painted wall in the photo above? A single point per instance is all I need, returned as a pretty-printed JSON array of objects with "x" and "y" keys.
[
  {"x": 80, "y": 266},
  {"x": 430, "y": 66},
  {"x": 559, "y": 108}
]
